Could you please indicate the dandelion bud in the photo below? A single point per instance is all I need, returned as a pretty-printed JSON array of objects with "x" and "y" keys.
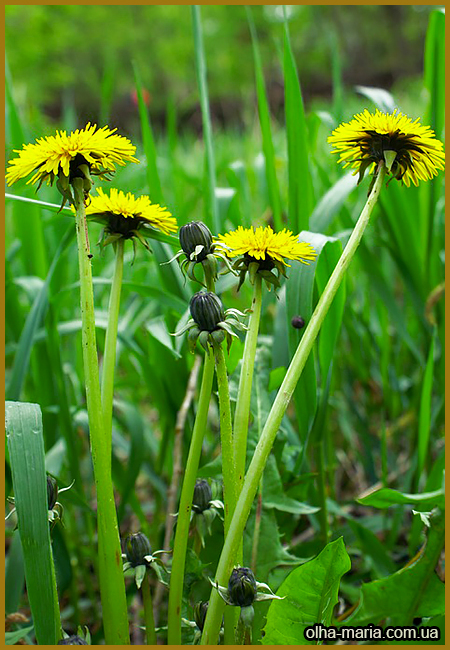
[
  {"x": 52, "y": 491},
  {"x": 137, "y": 547},
  {"x": 207, "y": 310},
  {"x": 202, "y": 496},
  {"x": 196, "y": 240},
  {"x": 298, "y": 322},
  {"x": 200, "y": 610},
  {"x": 242, "y": 588},
  {"x": 72, "y": 640}
]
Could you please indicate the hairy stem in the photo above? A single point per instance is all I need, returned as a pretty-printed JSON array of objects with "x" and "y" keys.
[
  {"x": 150, "y": 633},
  {"x": 184, "y": 510},
  {"x": 264, "y": 446},
  {"x": 112, "y": 586},
  {"x": 109, "y": 358}
]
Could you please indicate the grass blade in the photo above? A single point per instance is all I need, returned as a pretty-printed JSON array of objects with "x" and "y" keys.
[
  {"x": 34, "y": 319},
  {"x": 211, "y": 208},
  {"x": 26, "y": 450},
  {"x": 300, "y": 189},
  {"x": 425, "y": 411},
  {"x": 14, "y": 575},
  {"x": 29, "y": 230},
  {"x": 264, "y": 118}
]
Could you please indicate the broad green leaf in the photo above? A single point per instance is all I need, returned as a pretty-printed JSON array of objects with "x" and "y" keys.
[
  {"x": 414, "y": 591},
  {"x": 26, "y": 450},
  {"x": 387, "y": 497},
  {"x": 311, "y": 593},
  {"x": 299, "y": 301},
  {"x": 331, "y": 326}
]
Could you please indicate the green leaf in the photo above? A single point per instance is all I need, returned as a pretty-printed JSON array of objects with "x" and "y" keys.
[
  {"x": 311, "y": 593},
  {"x": 11, "y": 638},
  {"x": 435, "y": 71},
  {"x": 26, "y": 450},
  {"x": 264, "y": 119},
  {"x": 34, "y": 320},
  {"x": 211, "y": 210},
  {"x": 411, "y": 592},
  {"x": 425, "y": 409},
  {"x": 387, "y": 497},
  {"x": 331, "y": 327},
  {"x": 299, "y": 301},
  {"x": 300, "y": 188},
  {"x": 373, "y": 549},
  {"x": 14, "y": 574},
  {"x": 273, "y": 493},
  {"x": 380, "y": 97},
  {"x": 331, "y": 202}
]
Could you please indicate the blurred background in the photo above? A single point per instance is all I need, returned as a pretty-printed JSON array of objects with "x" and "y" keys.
[{"x": 69, "y": 61}]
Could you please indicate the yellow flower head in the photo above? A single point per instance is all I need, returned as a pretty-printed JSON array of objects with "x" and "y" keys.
[
  {"x": 411, "y": 151},
  {"x": 124, "y": 215},
  {"x": 61, "y": 156},
  {"x": 264, "y": 250}
]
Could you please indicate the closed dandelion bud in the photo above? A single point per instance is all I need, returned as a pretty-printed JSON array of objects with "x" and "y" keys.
[
  {"x": 207, "y": 310},
  {"x": 242, "y": 587},
  {"x": 200, "y": 610},
  {"x": 52, "y": 491},
  {"x": 137, "y": 547},
  {"x": 72, "y": 640},
  {"x": 193, "y": 235},
  {"x": 202, "y": 496},
  {"x": 298, "y": 322}
]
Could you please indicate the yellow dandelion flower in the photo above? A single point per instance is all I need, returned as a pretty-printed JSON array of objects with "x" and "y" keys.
[
  {"x": 411, "y": 151},
  {"x": 126, "y": 216},
  {"x": 124, "y": 212},
  {"x": 263, "y": 250},
  {"x": 62, "y": 155}
]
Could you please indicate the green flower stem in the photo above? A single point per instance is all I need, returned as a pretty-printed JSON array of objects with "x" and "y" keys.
[
  {"x": 264, "y": 446},
  {"x": 112, "y": 586},
  {"x": 228, "y": 472},
  {"x": 184, "y": 510},
  {"x": 226, "y": 438},
  {"x": 150, "y": 632},
  {"x": 323, "y": 514},
  {"x": 242, "y": 413},
  {"x": 109, "y": 358}
]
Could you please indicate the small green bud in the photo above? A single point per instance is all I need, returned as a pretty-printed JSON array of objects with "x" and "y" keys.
[
  {"x": 242, "y": 587},
  {"x": 207, "y": 310},
  {"x": 193, "y": 235},
  {"x": 137, "y": 547},
  {"x": 52, "y": 491},
  {"x": 72, "y": 640},
  {"x": 202, "y": 496},
  {"x": 200, "y": 610}
]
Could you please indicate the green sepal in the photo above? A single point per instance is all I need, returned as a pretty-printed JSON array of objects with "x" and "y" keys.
[
  {"x": 139, "y": 574},
  {"x": 253, "y": 269}
]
